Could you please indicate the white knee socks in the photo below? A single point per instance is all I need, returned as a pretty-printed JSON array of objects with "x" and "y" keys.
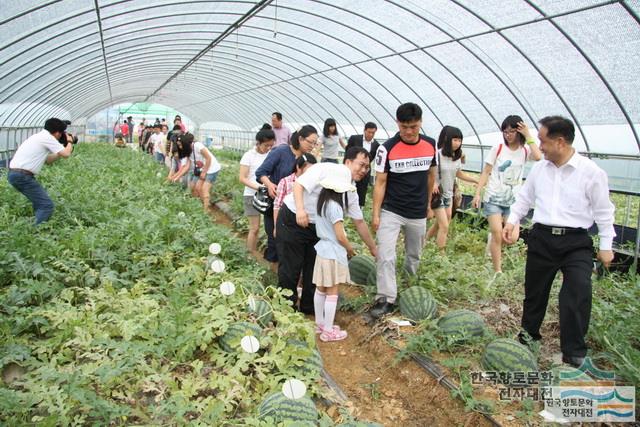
[{"x": 318, "y": 305}]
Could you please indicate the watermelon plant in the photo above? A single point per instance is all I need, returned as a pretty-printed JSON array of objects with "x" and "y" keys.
[{"x": 110, "y": 314}]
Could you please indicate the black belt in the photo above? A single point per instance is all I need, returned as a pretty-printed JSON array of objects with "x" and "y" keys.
[
  {"x": 24, "y": 171},
  {"x": 559, "y": 231}
]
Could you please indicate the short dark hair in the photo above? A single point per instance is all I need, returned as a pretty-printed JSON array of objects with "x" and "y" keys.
[
  {"x": 370, "y": 125},
  {"x": 278, "y": 115},
  {"x": 304, "y": 132},
  {"x": 409, "y": 112},
  {"x": 444, "y": 142},
  {"x": 559, "y": 126},
  {"x": 512, "y": 122},
  {"x": 177, "y": 127},
  {"x": 54, "y": 125},
  {"x": 303, "y": 160},
  {"x": 353, "y": 152},
  {"x": 327, "y": 124}
]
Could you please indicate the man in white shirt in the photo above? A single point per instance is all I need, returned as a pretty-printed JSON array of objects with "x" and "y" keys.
[
  {"x": 569, "y": 192},
  {"x": 32, "y": 154},
  {"x": 296, "y": 223},
  {"x": 283, "y": 134}
]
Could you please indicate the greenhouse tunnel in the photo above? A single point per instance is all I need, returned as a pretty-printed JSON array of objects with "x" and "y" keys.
[{"x": 232, "y": 63}]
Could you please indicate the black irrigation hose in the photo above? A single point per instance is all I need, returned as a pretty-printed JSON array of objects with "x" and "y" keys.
[
  {"x": 333, "y": 385},
  {"x": 426, "y": 364},
  {"x": 434, "y": 370}
]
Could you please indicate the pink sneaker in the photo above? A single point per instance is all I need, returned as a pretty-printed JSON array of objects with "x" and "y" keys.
[
  {"x": 333, "y": 335},
  {"x": 320, "y": 328}
]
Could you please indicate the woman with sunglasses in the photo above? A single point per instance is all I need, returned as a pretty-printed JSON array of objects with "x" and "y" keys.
[{"x": 503, "y": 174}]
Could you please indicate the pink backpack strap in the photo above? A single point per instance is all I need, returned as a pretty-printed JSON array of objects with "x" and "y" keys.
[{"x": 499, "y": 150}]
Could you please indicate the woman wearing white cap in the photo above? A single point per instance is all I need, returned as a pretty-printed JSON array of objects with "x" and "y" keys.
[{"x": 332, "y": 253}]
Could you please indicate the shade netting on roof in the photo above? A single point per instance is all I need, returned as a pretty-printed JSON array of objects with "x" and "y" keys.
[{"x": 467, "y": 63}]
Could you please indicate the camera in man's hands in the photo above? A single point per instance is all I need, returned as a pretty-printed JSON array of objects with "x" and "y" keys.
[{"x": 64, "y": 140}]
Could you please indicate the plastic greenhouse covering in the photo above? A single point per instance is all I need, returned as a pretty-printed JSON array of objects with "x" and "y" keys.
[{"x": 468, "y": 63}]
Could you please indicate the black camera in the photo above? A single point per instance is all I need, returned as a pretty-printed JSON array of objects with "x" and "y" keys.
[{"x": 64, "y": 140}]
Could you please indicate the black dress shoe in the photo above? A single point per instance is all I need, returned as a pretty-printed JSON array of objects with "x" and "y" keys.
[
  {"x": 526, "y": 339},
  {"x": 379, "y": 303},
  {"x": 385, "y": 308},
  {"x": 575, "y": 361}
]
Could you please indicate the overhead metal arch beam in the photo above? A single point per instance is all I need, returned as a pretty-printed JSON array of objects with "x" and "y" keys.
[
  {"x": 478, "y": 58},
  {"x": 534, "y": 65},
  {"x": 29, "y": 11},
  {"x": 418, "y": 69},
  {"x": 320, "y": 95},
  {"x": 104, "y": 53},
  {"x": 254, "y": 10},
  {"x": 292, "y": 61},
  {"x": 294, "y": 99},
  {"x": 594, "y": 68}
]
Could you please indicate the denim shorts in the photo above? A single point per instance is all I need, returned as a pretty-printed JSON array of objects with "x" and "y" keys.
[
  {"x": 493, "y": 209},
  {"x": 211, "y": 177},
  {"x": 446, "y": 202}
]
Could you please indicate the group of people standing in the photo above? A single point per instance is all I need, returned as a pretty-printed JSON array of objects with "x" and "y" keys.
[{"x": 414, "y": 180}]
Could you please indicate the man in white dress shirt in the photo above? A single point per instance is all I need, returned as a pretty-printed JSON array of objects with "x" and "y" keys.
[{"x": 569, "y": 192}]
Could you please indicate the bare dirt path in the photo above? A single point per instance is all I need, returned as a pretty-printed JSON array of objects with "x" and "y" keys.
[{"x": 379, "y": 388}]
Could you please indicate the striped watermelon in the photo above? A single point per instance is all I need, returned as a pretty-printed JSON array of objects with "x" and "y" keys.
[
  {"x": 230, "y": 341},
  {"x": 282, "y": 409},
  {"x": 310, "y": 356},
  {"x": 507, "y": 355},
  {"x": 372, "y": 278},
  {"x": 263, "y": 312},
  {"x": 252, "y": 287},
  {"x": 416, "y": 303},
  {"x": 359, "y": 268},
  {"x": 462, "y": 324}
]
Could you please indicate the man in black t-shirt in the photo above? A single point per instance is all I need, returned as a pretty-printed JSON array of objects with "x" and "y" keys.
[{"x": 405, "y": 170}]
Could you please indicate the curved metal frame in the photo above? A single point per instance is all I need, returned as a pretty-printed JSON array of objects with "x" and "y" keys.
[{"x": 53, "y": 91}]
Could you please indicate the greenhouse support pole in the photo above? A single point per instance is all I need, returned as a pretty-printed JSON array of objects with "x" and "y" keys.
[{"x": 634, "y": 267}]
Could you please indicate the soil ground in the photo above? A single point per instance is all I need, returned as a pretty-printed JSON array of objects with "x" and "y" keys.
[{"x": 378, "y": 387}]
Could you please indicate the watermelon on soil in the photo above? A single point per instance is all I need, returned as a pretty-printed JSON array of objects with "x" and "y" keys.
[
  {"x": 230, "y": 341},
  {"x": 462, "y": 324},
  {"x": 282, "y": 409},
  {"x": 359, "y": 268},
  {"x": 507, "y": 355},
  {"x": 417, "y": 303}
]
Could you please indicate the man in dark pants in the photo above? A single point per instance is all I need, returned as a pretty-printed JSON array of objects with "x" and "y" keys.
[
  {"x": 569, "y": 193},
  {"x": 36, "y": 151},
  {"x": 131, "y": 126},
  {"x": 371, "y": 145},
  {"x": 296, "y": 223}
]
